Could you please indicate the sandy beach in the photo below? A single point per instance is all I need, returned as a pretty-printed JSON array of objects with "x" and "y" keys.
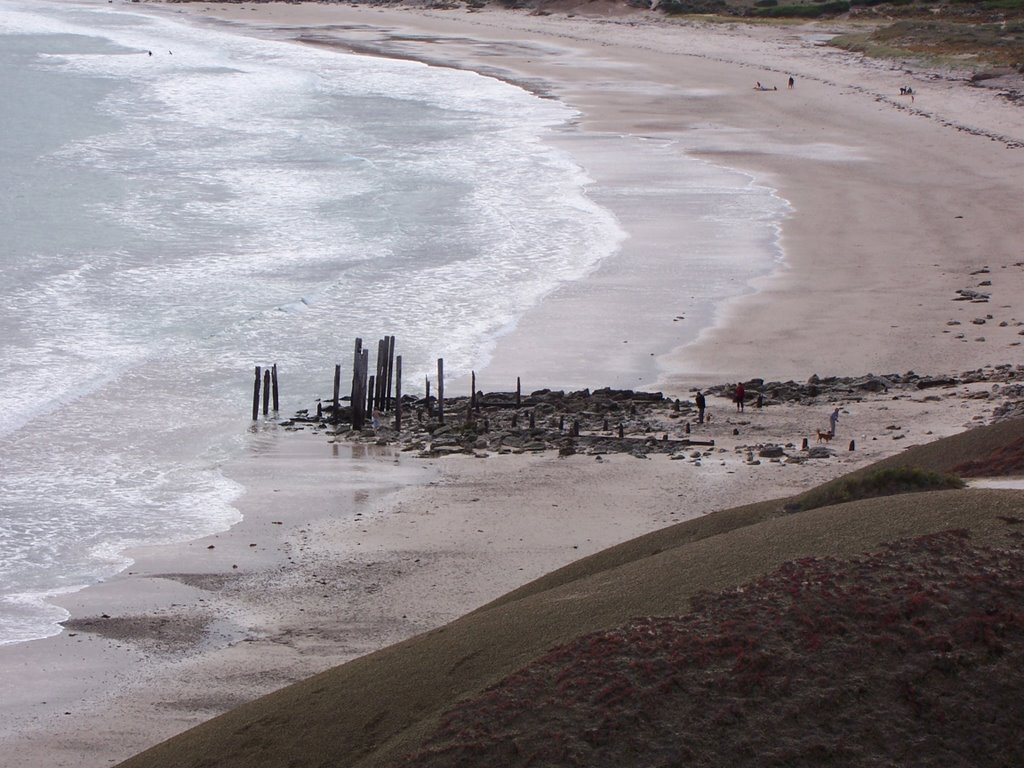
[{"x": 895, "y": 206}]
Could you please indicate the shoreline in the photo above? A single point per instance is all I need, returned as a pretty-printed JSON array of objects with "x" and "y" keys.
[
  {"x": 871, "y": 268},
  {"x": 350, "y": 569}
]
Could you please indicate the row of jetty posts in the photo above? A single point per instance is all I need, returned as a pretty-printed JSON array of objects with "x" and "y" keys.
[{"x": 368, "y": 393}]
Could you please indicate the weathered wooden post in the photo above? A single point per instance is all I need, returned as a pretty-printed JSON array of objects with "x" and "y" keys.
[
  {"x": 440, "y": 390},
  {"x": 430, "y": 411},
  {"x": 382, "y": 365},
  {"x": 359, "y": 400},
  {"x": 370, "y": 392},
  {"x": 398, "y": 393},
  {"x": 390, "y": 371},
  {"x": 519, "y": 392},
  {"x": 805, "y": 446},
  {"x": 355, "y": 394},
  {"x": 256, "y": 395},
  {"x": 273, "y": 380},
  {"x": 266, "y": 391},
  {"x": 853, "y": 445},
  {"x": 687, "y": 427},
  {"x": 561, "y": 423},
  {"x": 622, "y": 431},
  {"x": 533, "y": 418},
  {"x": 337, "y": 393},
  {"x": 472, "y": 390}
]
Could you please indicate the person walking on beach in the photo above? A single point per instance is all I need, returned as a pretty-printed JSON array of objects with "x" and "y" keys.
[
  {"x": 741, "y": 394},
  {"x": 791, "y": 82},
  {"x": 832, "y": 420},
  {"x": 701, "y": 404}
]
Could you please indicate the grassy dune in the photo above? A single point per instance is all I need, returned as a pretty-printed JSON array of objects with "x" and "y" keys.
[{"x": 967, "y": 571}]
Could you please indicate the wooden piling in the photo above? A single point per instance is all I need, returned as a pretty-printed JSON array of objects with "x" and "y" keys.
[
  {"x": 398, "y": 391},
  {"x": 355, "y": 392},
  {"x": 371, "y": 392},
  {"x": 519, "y": 393},
  {"x": 430, "y": 411},
  {"x": 360, "y": 406},
  {"x": 622, "y": 431},
  {"x": 266, "y": 392},
  {"x": 472, "y": 390},
  {"x": 273, "y": 381},
  {"x": 440, "y": 390},
  {"x": 337, "y": 393},
  {"x": 256, "y": 395},
  {"x": 382, "y": 366},
  {"x": 391, "y": 371}
]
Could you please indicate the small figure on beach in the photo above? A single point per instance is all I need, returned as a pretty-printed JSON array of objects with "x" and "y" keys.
[
  {"x": 792, "y": 82},
  {"x": 376, "y": 419},
  {"x": 832, "y": 420},
  {"x": 741, "y": 394},
  {"x": 701, "y": 405}
]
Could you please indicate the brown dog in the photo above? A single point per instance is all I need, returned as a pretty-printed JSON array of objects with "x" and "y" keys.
[{"x": 826, "y": 436}]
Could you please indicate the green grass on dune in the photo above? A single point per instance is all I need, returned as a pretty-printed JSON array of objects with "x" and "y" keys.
[{"x": 889, "y": 481}]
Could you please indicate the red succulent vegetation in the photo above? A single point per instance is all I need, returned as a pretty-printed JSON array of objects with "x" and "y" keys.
[{"x": 912, "y": 655}]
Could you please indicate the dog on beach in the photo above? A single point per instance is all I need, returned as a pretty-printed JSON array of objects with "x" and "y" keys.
[{"x": 824, "y": 436}]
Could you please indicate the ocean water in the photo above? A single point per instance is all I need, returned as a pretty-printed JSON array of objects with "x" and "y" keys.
[{"x": 180, "y": 204}]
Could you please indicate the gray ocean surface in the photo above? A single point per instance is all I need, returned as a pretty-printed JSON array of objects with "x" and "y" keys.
[{"x": 180, "y": 204}]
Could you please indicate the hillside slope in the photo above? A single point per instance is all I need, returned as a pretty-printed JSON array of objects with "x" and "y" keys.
[{"x": 376, "y": 709}]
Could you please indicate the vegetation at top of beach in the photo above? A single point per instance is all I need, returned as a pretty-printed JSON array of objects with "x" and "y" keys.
[
  {"x": 992, "y": 11},
  {"x": 963, "y": 33},
  {"x": 945, "y": 41}
]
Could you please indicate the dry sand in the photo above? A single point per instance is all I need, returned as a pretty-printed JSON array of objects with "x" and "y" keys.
[{"x": 355, "y": 552}]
